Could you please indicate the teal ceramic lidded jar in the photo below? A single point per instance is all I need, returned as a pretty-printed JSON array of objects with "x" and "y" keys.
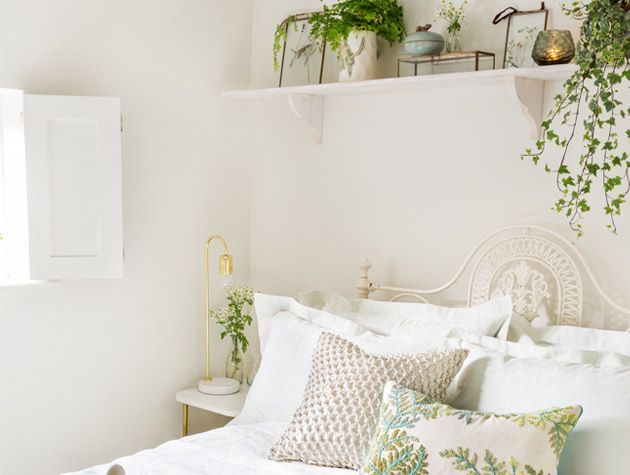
[{"x": 423, "y": 42}]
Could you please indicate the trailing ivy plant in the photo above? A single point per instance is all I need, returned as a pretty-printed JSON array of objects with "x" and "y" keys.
[
  {"x": 334, "y": 23},
  {"x": 590, "y": 109}
]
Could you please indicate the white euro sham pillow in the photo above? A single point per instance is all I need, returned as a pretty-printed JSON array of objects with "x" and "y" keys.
[
  {"x": 577, "y": 338},
  {"x": 405, "y": 318},
  {"x": 401, "y": 318},
  {"x": 460, "y": 337},
  {"x": 268, "y": 306}
]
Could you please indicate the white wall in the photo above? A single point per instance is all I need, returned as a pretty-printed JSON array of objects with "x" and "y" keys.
[
  {"x": 89, "y": 369},
  {"x": 411, "y": 180}
]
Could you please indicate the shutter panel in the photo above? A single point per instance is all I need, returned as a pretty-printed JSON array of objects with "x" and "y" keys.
[{"x": 73, "y": 157}]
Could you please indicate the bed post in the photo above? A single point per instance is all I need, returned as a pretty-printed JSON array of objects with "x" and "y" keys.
[{"x": 363, "y": 284}]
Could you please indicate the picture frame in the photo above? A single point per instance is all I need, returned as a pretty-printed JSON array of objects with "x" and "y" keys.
[
  {"x": 522, "y": 30},
  {"x": 302, "y": 61}
]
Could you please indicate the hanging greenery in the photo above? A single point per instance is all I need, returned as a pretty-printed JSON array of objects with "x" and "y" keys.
[
  {"x": 280, "y": 37},
  {"x": 590, "y": 109}
]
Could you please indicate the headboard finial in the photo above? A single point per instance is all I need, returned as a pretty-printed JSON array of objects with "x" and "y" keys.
[{"x": 363, "y": 284}]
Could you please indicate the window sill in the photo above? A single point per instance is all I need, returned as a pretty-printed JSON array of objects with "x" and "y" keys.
[{"x": 20, "y": 284}]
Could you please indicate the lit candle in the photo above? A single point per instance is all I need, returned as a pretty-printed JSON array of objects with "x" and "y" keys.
[
  {"x": 553, "y": 47},
  {"x": 553, "y": 54}
]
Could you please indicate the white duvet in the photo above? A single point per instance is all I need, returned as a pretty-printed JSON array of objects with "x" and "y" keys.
[{"x": 234, "y": 450}]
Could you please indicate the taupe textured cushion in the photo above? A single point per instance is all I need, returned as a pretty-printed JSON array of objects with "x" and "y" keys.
[{"x": 337, "y": 416}]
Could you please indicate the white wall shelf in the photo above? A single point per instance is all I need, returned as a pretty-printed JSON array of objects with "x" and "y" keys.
[{"x": 307, "y": 102}]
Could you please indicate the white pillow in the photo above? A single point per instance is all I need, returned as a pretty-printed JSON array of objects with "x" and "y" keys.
[
  {"x": 403, "y": 318},
  {"x": 398, "y": 319},
  {"x": 289, "y": 341},
  {"x": 460, "y": 337},
  {"x": 495, "y": 382},
  {"x": 578, "y": 338},
  {"x": 268, "y": 306}
]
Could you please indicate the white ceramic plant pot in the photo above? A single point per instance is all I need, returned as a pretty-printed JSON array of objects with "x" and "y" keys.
[{"x": 357, "y": 57}]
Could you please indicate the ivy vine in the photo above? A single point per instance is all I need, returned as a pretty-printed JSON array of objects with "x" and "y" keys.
[{"x": 590, "y": 108}]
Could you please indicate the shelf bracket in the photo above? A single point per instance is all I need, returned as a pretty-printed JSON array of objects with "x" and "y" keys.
[
  {"x": 310, "y": 108},
  {"x": 530, "y": 95}
]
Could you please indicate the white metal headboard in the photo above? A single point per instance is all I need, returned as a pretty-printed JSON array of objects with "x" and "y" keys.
[{"x": 541, "y": 269}]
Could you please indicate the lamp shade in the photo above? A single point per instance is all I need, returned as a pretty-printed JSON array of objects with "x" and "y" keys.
[
  {"x": 226, "y": 265},
  {"x": 553, "y": 47}
]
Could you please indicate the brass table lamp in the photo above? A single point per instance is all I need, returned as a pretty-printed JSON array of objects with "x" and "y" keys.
[{"x": 217, "y": 385}]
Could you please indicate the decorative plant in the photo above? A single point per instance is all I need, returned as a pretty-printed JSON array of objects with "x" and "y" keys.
[
  {"x": 235, "y": 319},
  {"x": 334, "y": 23},
  {"x": 454, "y": 17},
  {"x": 590, "y": 108},
  {"x": 281, "y": 36}
]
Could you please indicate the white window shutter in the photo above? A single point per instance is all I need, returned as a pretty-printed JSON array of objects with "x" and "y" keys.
[{"x": 73, "y": 158}]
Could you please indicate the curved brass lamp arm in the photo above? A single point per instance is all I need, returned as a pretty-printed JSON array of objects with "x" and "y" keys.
[{"x": 225, "y": 268}]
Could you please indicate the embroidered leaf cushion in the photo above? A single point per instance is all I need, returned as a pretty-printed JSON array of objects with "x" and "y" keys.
[
  {"x": 416, "y": 434},
  {"x": 334, "y": 423}
]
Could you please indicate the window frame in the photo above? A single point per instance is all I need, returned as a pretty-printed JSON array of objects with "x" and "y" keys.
[{"x": 4, "y": 249}]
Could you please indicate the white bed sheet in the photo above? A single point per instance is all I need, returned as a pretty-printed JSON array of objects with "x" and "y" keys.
[{"x": 234, "y": 449}]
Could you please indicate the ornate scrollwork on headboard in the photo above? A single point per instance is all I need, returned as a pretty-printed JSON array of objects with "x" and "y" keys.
[
  {"x": 542, "y": 279},
  {"x": 539, "y": 268},
  {"x": 527, "y": 286}
]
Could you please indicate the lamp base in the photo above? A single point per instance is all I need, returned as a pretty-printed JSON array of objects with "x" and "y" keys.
[{"x": 219, "y": 386}]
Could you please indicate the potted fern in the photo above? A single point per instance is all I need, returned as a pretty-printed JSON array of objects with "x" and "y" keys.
[{"x": 351, "y": 28}]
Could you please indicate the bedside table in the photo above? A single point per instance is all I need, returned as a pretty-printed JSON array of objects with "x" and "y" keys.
[{"x": 229, "y": 405}]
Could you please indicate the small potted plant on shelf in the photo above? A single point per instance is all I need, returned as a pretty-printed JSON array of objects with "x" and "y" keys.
[
  {"x": 351, "y": 28},
  {"x": 454, "y": 17},
  {"x": 234, "y": 319},
  {"x": 591, "y": 109}
]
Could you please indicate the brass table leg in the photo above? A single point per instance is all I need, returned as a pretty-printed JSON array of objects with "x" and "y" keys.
[{"x": 185, "y": 420}]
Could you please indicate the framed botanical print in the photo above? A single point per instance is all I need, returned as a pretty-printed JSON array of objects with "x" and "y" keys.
[
  {"x": 522, "y": 30},
  {"x": 302, "y": 59}
]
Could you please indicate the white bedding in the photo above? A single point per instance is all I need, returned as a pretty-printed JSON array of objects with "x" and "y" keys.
[
  {"x": 234, "y": 450},
  {"x": 499, "y": 376}
]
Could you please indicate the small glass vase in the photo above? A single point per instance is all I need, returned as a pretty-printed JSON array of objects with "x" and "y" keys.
[
  {"x": 234, "y": 362},
  {"x": 453, "y": 44}
]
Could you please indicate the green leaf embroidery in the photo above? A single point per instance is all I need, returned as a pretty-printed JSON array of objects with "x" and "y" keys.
[
  {"x": 393, "y": 451},
  {"x": 463, "y": 460}
]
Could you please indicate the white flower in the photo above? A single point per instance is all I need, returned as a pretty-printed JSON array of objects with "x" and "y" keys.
[{"x": 453, "y": 15}]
